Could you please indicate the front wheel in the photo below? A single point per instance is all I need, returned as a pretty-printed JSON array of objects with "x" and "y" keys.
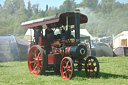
[
  {"x": 92, "y": 66},
  {"x": 67, "y": 68}
]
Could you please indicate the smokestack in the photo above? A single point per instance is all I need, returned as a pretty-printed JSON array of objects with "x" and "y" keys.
[{"x": 77, "y": 25}]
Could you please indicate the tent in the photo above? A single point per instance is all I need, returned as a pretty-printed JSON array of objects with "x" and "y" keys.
[
  {"x": 13, "y": 48},
  {"x": 29, "y": 35},
  {"x": 102, "y": 49},
  {"x": 121, "y": 40},
  {"x": 121, "y": 51}
]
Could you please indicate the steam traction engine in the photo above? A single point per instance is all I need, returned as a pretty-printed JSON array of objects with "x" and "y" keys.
[{"x": 63, "y": 52}]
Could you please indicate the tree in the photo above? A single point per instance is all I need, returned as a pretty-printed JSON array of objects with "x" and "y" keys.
[
  {"x": 105, "y": 18},
  {"x": 92, "y": 4},
  {"x": 51, "y": 11},
  {"x": 29, "y": 10},
  {"x": 107, "y": 5},
  {"x": 35, "y": 8},
  {"x": 9, "y": 7},
  {"x": 13, "y": 13},
  {"x": 73, "y": 5},
  {"x": 66, "y": 6},
  {"x": 46, "y": 7},
  {"x": 0, "y": 6}
]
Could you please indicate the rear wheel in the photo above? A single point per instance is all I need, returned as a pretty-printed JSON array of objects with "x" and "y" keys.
[
  {"x": 91, "y": 66},
  {"x": 37, "y": 60},
  {"x": 67, "y": 68}
]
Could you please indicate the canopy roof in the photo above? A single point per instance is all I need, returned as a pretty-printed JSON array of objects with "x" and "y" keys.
[{"x": 55, "y": 21}]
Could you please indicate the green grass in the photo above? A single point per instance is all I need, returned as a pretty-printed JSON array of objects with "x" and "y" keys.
[{"x": 113, "y": 71}]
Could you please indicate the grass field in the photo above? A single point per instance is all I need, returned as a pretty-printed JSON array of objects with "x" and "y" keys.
[{"x": 113, "y": 71}]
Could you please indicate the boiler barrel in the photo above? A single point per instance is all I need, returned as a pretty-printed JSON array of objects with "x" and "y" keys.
[{"x": 76, "y": 51}]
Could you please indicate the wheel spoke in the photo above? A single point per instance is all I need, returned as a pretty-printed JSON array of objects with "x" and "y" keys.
[
  {"x": 35, "y": 57},
  {"x": 88, "y": 67},
  {"x": 34, "y": 65},
  {"x": 67, "y": 63},
  {"x": 92, "y": 62},
  {"x": 40, "y": 64},
  {"x": 34, "y": 51},
  {"x": 64, "y": 72},
  {"x": 64, "y": 66},
  {"x": 40, "y": 59},
  {"x": 69, "y": 70},
  {"x": 89, "y": 60},
  {"x": 33, "y": 54},
  {"x": 39, "y": 54},
  {"x": 94, "y": 71},
  {"x": 35, "y": 68},
  {"x": 69, "y": 66},
  {"x": 38, "y": 69},
  {"x": 95, "y": 66},
  {"x": 31, "y": 62},
  {"x": 91, "y": 68},
  {"x": 33, "y": 72}
]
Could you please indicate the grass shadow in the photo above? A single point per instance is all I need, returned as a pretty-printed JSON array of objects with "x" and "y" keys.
[
  {"x": 83, "y": 75},
  {"x": 109, "y": 75},
  {"x": 3, "y": 66},
  {"x": 101, "y": 75},
  {"x": 50, "y": 73}
]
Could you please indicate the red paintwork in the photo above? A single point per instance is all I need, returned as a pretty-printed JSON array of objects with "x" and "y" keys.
[
  {"x": 54, "y": 58},
  {"x": 56, "y": 21},
  {"x": 45, "y": 42},
  {"x": 53, "y": 51},
  {"x": 67, "y": 50},
  {"x": 90, "y": 67},
  {"x": 66, "y": 68},
  {"x": 40, "y": 23},
  {"x": 50, "y": 59},
  {"x": 56, "y": 42},
  {"x": 34, "y": 60},
  {"x": 40, "y": 41},
  {"x": 57, "y": 58}
]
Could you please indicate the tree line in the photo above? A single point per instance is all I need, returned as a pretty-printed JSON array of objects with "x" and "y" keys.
[{"x": 107, "y": 17}]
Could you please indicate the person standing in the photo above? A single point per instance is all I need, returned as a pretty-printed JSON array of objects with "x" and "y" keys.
[
  {"x": 49, "y": 32},
  {"x": 37, "y": 33}
]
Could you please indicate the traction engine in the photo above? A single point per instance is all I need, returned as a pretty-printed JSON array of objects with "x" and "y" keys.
[{"x": 61, "y": 53}]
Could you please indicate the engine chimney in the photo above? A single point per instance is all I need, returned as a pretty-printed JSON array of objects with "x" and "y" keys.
[{"x": 77, "y": 26}]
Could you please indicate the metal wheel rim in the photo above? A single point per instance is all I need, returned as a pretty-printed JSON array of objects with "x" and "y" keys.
[
  {"x": 91, "y": 67},
  {"x": 35, "y": 60},
  {"x": 67, "y": 68}
]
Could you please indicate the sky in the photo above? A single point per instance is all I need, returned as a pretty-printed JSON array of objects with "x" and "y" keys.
[{"x": 54, "y": 3}]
